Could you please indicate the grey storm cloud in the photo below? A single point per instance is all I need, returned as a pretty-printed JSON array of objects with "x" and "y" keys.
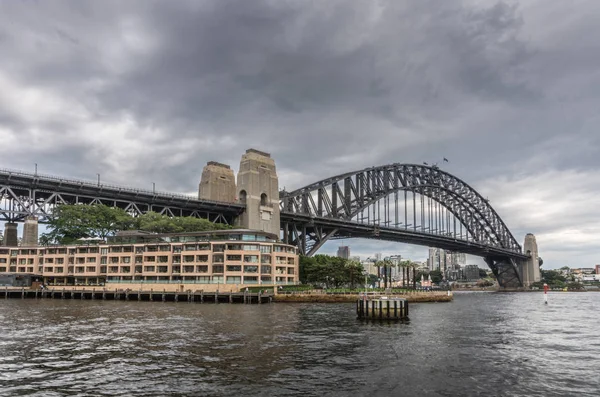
[{"x": 149, "y": 91}]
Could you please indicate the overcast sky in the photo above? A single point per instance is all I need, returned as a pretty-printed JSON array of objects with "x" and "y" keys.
[{"x": 149, "y": 91}]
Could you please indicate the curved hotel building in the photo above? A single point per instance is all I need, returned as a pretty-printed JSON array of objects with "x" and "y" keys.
[{"x": 237, "y": 257}]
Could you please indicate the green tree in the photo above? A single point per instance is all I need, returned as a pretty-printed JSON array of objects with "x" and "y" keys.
[
  {"x": 552, "y": 276},
  {"x": 69, "y": 223},
  {"x": 330, "y": 271},
  {"x": 157, "y": 223},
  {"x": 436, "y": 276},
  {"x": 482, "y": 273}
]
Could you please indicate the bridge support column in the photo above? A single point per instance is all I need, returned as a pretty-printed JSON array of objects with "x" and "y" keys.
[
  {"x": 506, "y": 270},
  {"x": 531, "y": 267},
  {"x": 11, "y": 239},
  {"x": 258, "y": 188}
]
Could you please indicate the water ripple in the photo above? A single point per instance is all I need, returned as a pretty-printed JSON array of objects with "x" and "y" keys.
[{"x": 478, "y": 345}]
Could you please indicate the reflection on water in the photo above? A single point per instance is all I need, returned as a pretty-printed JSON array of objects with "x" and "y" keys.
[{"x": 480, "y": 344}]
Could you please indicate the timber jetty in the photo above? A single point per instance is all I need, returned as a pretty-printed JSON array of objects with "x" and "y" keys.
[{"x": 159, "y": 296}]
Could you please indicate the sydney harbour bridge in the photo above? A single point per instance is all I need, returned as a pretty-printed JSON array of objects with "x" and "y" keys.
[{"x": 408, "y": 203}]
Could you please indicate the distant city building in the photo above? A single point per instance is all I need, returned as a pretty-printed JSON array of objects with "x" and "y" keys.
[
  {"x": 471, "y": 272},
  {"x": 355, "y": 258},
  {"x": 343, "y": 252},
  {"x": 584, "y": 270},
  {"x": 597, "y": 269},
  {"x": 369, "y": 267}
]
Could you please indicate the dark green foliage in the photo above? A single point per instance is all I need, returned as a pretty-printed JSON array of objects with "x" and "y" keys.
[
  {"x": 70, "y": 223},
  {"x": 331, "y": 271}
]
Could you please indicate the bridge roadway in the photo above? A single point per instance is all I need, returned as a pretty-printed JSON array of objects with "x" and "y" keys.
[
  {"x": 23, "y": 194},
  {"x": 350, "y": 229}
]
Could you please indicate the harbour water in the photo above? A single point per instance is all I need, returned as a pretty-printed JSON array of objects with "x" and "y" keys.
[{"x": 480, "y": 344}]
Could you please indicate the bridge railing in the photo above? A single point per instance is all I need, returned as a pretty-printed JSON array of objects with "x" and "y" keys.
[{"x": 89, "y": 183}]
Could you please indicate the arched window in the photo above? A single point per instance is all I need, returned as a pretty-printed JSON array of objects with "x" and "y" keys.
[
  {"x": 243, "y": 196},
  {"x": 263, "y": 199}
]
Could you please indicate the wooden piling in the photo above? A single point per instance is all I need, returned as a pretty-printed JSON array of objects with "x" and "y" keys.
[{"x": 382, "y": 309}]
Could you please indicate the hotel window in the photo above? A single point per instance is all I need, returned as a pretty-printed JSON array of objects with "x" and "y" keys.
[
  {"x": 234, "y": 268},
  {"x": 60, "y": 269},
  {"x": 236, "y": 258},
  {"x": 265, "y": 249},
  {"x": 60, "y": 261},
  {"x": 103, "y": 260},
  {"x": 188, "y": 258},
  {"x": 204, "y": 247},
  {"x": 188, "y": 269},
  {"x": 219, "y": 248},
  {"x": 113, "y": 269},
  {"x": 163, "y": 259},
  {"x": 217, "y": 259},
  {"x": 250, "y": 269},
  {"x": 126, "y": 259},
  {"x": 148, "y": 268},
  {"x": 251, "y": 247},
  {"x": 164, "y": 248},
  {"x": 217, "y": 268},
  {"x": 234, "y": 279},
  {"x": 149, "y": 259},
  {"x": 265, "y": 269},
  {"x": 125, "y": 269},
  {"x": 202, "y": 269},
  {"x": 163, "y": 269},
  {"x": 201, "y": 258},
  {"x": 90, "y": 269},
  {"x": 91, "y": 260},
  {"x": 251, "y": 258}
]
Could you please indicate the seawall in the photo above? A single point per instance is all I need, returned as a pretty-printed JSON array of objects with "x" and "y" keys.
[{"x": 414, "y": 297}]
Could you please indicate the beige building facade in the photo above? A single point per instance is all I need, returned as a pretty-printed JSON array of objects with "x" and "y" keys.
[{"x": 231, "y": 257}]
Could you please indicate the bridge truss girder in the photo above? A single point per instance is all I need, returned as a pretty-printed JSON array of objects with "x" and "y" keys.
[
  {"x": 447, "y": 206},
  {"x": 23, "y": 195}
]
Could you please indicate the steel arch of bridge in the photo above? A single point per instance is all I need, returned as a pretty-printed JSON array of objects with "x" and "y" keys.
[{"x": 461, "y": 218}]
